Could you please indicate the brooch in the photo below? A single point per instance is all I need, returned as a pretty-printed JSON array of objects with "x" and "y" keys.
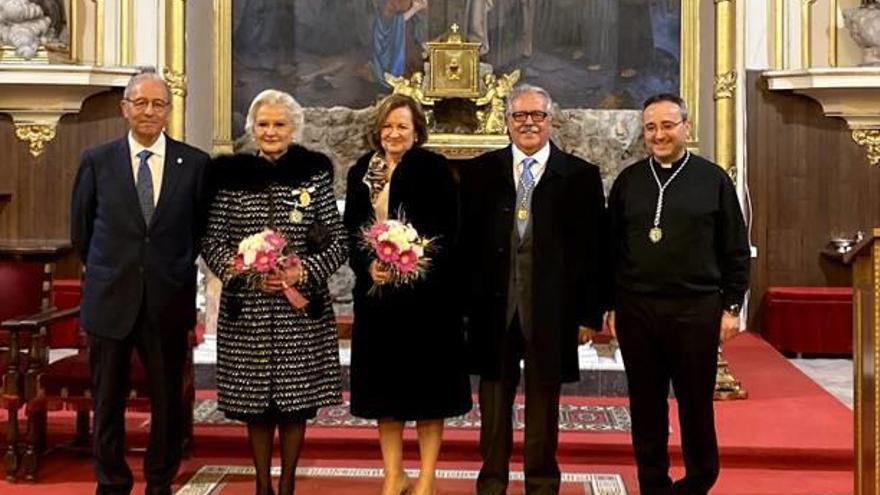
[{"x": 303, "y": 200}]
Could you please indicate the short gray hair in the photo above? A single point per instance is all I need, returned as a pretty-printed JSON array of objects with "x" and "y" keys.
[
  {"x": 522, "y": 89},
  {"x": 145, "y": 74},
  {"x": 275, "y": 97}
]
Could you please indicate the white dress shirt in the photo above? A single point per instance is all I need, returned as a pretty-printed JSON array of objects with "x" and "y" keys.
[
  {"x": 156, "y": 161},
  {"x": 540, "y": 157}
]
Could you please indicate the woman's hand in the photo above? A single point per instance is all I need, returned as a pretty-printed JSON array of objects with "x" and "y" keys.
[
  {"x": 292, "y": 274},
  {"x": 278, "y": 280},
  {"x": 380, "y": 275},
  {"x": 273, "y": 283}
]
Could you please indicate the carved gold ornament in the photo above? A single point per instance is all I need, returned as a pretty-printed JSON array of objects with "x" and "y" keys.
[
  {"x": 725, "y": 85},
  {"x": 36, "y": 135},
  {"x": 870, "y": 139},
  {"x": 176, "y": 81},
  {"x": 727, "y": 387},
  {"x": 453, "y": 69},
  {"x": 412, "y": 87},
  {"x": 492, "y": 103}
]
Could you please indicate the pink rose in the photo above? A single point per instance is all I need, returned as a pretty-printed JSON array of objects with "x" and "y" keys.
[
  {"x": 276, "y": 240},
  {"x": 238, "y": 263},
  {"x": 387, "y": 252},
  {"x": 265, "y": 261},
  {"x": 377, "y": 229},
  {"x": 407, "y": 261}
]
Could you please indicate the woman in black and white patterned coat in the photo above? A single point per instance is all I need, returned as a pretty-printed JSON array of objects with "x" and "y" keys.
[{"x": 276, "y": 365}]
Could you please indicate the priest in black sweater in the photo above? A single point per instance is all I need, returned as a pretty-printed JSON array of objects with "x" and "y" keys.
[{"x": 681, "y": 268}]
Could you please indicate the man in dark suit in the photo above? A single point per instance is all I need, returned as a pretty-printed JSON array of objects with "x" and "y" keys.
[
  {"x": 138, "y": 211},
  {"x": 680, "y": 261},
  {"x": 532, "y": 218}
]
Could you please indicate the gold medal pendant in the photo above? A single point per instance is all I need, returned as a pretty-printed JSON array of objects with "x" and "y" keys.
[
  {"x": 522, "y": 214},
  {"x": 655, "y": 234},
  {"x": 296, "y": 216},
  {"x": 305, "y": 198}
]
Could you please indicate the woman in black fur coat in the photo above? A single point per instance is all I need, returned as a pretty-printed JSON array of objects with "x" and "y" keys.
[
  {"x": 276, "y": 364},
  {"x": 407, "y": 345}
]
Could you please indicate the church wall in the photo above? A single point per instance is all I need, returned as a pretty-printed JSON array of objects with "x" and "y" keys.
[
  {"x": 611, "y": 139},
  {"x": 808, "y": 182},
  {"x": 200, "y": 75},
  {"x": 42, "y": 186}
]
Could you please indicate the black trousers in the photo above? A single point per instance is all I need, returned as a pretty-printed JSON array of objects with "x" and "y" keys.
[
  {"x": 675, "y": 339},
  {"x": 163, "y": 355},
  {"x": 542, "y": 474}
]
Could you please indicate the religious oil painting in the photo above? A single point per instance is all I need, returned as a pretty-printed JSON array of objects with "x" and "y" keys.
[{"x": 607, "y": 54}]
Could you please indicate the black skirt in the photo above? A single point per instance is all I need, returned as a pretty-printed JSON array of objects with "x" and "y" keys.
[
  {"x": 403, "y": 367},
  {"x": 274, "y": 415}
]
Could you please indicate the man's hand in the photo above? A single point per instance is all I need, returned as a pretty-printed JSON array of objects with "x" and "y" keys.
[{"x": 729, "y": 326}]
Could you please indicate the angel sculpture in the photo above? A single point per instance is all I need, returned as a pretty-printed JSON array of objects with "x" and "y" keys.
[
  {"x": 411, "y": 87},
  {"x": 493, "y": 121}
]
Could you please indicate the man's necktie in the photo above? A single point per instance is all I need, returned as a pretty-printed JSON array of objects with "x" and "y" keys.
[
  {"x": 145, "y": 186},
  {"x": 523, "y": 195},
  {"x": 527, "y": 178}
]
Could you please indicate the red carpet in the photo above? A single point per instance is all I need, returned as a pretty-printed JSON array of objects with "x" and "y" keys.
[{"x": 789, "y": 437}]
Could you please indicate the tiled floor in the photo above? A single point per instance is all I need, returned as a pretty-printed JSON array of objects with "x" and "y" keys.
[{"x": 834, "y": 375}]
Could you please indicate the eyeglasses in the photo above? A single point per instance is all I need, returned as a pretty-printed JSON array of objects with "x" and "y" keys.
[
  {"x": 537, "y": 116},
  {"x": 142, "y": 103},
  {"x": 665, "y": 126}
]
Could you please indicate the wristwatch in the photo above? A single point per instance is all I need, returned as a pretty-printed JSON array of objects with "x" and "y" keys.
[{"x": 734, "y": 309}]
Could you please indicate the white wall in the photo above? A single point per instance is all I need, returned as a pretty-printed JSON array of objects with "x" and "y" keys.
[
  {"x": 146, "y": 28},
  {"x": 200, "y": 74},
  {"x": 757, "y": 18}
]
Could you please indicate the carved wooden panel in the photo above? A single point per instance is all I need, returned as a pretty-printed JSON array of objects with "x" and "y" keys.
[{"x": 41, "y": 186}]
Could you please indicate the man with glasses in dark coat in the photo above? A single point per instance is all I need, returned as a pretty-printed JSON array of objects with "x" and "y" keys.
[{"x": 532, "y": 218}]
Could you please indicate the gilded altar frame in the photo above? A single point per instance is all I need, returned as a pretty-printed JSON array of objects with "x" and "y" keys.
[{"x": 689, "y": 79}]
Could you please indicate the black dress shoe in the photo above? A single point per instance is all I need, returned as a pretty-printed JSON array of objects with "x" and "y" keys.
[{"x": 155, "y": 490}]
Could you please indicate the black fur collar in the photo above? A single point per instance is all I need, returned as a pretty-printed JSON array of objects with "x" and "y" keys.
[{"x": 251, "y": 172}]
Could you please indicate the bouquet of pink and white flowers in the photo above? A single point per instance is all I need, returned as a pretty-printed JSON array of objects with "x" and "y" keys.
[
  {"x": 399, "y": 249},
  {"x": 262, "y": 254}
]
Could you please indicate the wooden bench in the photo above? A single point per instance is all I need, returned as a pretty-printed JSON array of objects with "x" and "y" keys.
[{"x": 809, "y": 320}]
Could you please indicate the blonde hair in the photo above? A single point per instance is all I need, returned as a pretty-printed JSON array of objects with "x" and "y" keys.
[{"x": 275, "y": 97}]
